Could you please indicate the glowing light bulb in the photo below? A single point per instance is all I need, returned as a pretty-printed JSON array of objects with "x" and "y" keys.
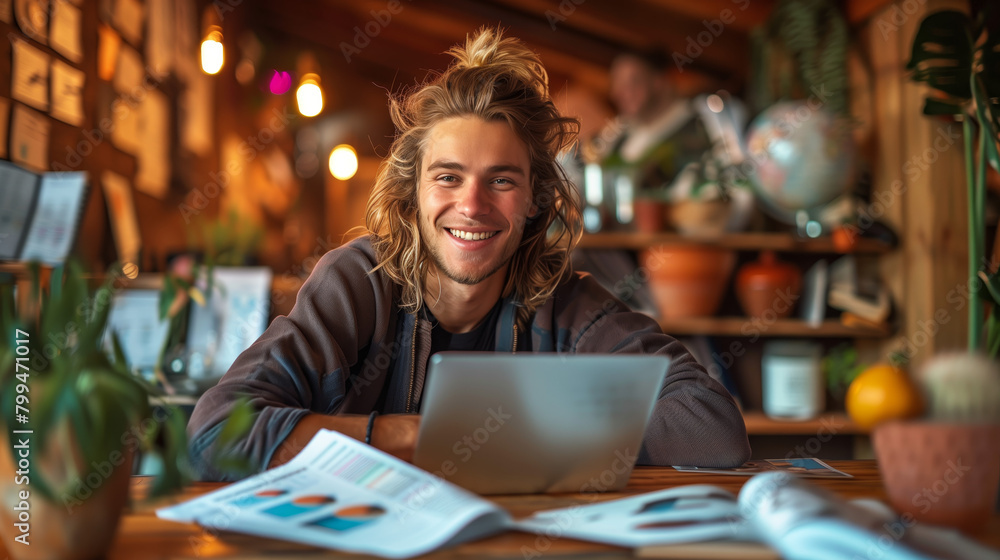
[
  {"x": 212, "y": 55},
  {"x": 309, "y": 96},
  {"x": 343, "y": 162}
]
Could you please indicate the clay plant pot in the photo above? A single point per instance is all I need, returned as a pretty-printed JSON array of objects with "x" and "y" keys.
[
  {"x": 650, "y": 215},
  {"x": 688, "y": 281},
  {"x": 940, "y": 473},
  {"x": 81, "y": 523},
  {"x": 768, "y": 288}
]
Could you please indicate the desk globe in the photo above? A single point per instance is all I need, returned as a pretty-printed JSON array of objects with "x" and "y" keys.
[{"x": 800, "y": 157}]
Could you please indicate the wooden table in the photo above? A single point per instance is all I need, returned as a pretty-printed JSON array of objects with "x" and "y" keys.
[{"x": 143, "y": 536}]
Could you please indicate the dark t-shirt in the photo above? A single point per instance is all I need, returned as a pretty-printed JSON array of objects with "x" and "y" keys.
[{"x": 480, "y": 339}]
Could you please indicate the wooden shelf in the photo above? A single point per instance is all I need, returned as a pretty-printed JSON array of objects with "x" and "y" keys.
[
  {"x": 830, "y": 423},
  {"x": 754, "y": 241},
  {"x": 745, "y": 326}
]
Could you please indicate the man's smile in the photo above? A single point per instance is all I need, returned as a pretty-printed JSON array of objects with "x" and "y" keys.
[{"x": 472, "y": 235}]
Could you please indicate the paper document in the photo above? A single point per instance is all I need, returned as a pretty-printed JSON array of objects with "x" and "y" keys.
[
  {"x": 807, "y": 467},
  {"x": 339, "y": 493}
]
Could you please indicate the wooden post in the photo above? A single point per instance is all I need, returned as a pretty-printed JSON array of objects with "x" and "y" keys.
[{"x": 920, "y": 181}]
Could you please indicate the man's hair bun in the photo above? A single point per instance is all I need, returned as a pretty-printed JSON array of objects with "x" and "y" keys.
[{"x": 488, "y": 49}]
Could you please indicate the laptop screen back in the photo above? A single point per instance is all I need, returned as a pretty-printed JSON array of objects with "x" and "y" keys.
[{"x": 535, "y": 423}]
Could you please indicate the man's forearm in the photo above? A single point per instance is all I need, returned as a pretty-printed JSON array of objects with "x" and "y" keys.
[{"x": 395, "y": 434}]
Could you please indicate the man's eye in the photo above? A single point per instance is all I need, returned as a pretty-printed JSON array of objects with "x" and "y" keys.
[
  {"x": 502, "y": 182},
  {"x": 447, "y": 178}
]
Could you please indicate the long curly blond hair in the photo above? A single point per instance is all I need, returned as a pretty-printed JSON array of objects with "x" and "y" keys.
[{"x": 495, "y": 79}]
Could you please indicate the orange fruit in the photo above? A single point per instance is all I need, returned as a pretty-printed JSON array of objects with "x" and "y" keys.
[{"x": 880, "y": 393}]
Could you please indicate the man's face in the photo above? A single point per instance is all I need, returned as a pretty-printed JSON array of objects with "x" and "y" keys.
[
  {"x": 632, "y": 86},
  {"x": 473, "y": 197}
]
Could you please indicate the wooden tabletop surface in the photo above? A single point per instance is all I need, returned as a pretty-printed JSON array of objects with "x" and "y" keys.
[{"x": 142, "y": 535}]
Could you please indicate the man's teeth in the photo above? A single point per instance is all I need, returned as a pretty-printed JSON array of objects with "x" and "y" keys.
[{"x": 472, "y": 236}]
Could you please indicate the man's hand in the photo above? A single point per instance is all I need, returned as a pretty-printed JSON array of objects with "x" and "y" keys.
[{"x": 396, "y": 434}]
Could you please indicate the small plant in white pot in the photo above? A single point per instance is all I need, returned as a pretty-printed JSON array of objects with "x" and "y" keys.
[{"x": 944, "y": 469}]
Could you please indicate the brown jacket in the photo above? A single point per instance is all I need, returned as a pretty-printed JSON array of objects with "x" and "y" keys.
[{"x": 346, "y": 347}]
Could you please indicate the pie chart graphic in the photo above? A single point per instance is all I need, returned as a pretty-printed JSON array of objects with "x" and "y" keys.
[
  {"x": 350, "y": 517},
  {"x": 259, "y": 497},
  {"x": 300, "y": 505}
]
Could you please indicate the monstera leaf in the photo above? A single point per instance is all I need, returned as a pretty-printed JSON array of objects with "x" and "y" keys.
[{"x": 960, "y": 58}]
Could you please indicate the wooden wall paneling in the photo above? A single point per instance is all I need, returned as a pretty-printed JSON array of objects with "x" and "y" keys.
[{"x": 935, "y": 252}]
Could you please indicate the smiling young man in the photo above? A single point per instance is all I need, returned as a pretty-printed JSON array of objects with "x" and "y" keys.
[{"x": 471, "y": 223}]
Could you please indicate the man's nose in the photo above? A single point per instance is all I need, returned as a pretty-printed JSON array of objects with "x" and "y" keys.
[{"x": 473, "y": 199}]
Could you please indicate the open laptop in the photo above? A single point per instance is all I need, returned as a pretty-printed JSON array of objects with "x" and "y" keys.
[{"x": 536, "y": 423}]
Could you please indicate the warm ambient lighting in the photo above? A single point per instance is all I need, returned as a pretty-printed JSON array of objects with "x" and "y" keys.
[
  {"x": 211, "y": 52},
  {"x": 343, "y": 162},
  {"x": 309, "y": 96}
]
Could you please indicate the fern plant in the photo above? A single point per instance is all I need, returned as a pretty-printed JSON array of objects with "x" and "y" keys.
[{"x": 800, "y": 51}]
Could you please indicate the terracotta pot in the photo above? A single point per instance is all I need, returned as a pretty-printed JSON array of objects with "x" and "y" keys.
[
  {"x": 768, "y": 288},
  {"x": 688, "y": 281},
  {"x": 940, "y": 473},
  {"x": 700, "y": 218},
  {"x": 81, "y": 524},
  {"x": 649, "y": 215}
]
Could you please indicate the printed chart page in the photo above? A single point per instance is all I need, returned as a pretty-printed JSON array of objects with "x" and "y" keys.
[{"x": 339, "y": 493}]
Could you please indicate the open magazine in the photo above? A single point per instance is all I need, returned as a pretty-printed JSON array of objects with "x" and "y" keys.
[
  {"x": 798, "y": 519},
  {"x": 339, "y": 493}
]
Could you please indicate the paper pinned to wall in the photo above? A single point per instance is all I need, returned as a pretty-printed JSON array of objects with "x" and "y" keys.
[
  {"x": 67, "y": 93},
  {"x": 66, "y": 30},
  {"x": 17, "y": 192},
  {"x": 160, "y": 37},
  {"x": 121, "y": 211},
  {"x": 33, "y": 18},
  {"x": 57, "y": 212},
  {"x": 29, "y": 75},
  {"x": 29, "y": 138},
  {"x": 196, "y": 127},
  {"x": 4, "y": 121},
  {"x": 128, "y": 19},
  {"x": 128, "y": 73},
  {"x": 127, "y": 133},
  {"x": 153, "y": 172},
  {"x": 109, "y": 44}
]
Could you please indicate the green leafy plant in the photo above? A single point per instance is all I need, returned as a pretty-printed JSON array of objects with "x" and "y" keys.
[
  {"x": 840, "y": 367},
  {"x": 800, "y": 51},
  {"x": 56, "y": 375},
  {"x": 52, "y": 354},
  {"x": 958, "y": 56}
]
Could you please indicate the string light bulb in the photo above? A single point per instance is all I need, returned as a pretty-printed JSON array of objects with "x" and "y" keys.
[
  {"x": 343, "y": 162},
  {"x": 212, "y": 55},
  {"x": 309, "y": 96}
]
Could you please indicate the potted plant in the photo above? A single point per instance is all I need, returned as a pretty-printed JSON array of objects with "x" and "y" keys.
[
  {"x": 709, "y": 198},
  {"x": 73, "y": 420},
  {"x": 958, "y": 56},
  {"x": 945, "y": 469}
]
